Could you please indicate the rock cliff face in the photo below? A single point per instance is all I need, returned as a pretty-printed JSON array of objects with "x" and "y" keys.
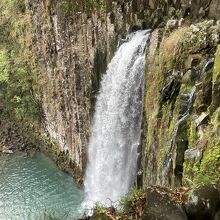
[
  {"x": 182, "y": 107},
  {"x": 73, "y": 43}
]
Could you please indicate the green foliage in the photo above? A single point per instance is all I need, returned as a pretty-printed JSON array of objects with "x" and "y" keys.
[
  {"x": 131, "y": 198},
  {"x": 11, "y": 19},
  {"x": 99, "y": 212},
  {"x": 16, "y": 87},
  {"x": 130, "y": 207},
  {"x": 16, "y": 70}
]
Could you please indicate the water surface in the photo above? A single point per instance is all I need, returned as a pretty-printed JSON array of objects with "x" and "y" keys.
[{"x": 29, "y": 187}]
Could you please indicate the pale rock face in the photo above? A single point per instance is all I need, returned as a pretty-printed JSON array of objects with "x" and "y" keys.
[{"x": 73, "y": 51}]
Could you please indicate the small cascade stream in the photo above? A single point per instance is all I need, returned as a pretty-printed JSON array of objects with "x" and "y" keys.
[
  {"x": 182, "y": 118},
  {"x": 116, "y": 130}
]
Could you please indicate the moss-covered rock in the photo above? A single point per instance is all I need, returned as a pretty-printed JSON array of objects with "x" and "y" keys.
[
  {"x": 203, "y": 203},
  {"x": 162, "y": 205},
  {"x": 178, "y": 131},
  {"x": 216, "y": 82}
]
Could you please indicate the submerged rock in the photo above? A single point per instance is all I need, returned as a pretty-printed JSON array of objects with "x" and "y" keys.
[{"x": 7, "y": 151}]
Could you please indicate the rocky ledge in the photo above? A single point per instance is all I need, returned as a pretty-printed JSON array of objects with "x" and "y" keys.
[
  {"x": 160, "y": 203},
  {"x": 14, "y": 139}
]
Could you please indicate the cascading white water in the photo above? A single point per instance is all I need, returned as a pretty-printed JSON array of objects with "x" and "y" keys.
[
  {"x": 116, "y": 130},
  {"x": 186, "y": 114}
]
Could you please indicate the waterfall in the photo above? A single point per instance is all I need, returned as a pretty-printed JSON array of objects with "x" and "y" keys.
[{"x": 116, "y": 129}]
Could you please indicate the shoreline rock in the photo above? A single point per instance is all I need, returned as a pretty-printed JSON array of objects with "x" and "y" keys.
[{"x": 160, "y": 203}]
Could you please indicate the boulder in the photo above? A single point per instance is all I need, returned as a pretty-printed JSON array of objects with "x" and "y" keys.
[
  {"x": 203, "y": 203},
  {"x": 160, "y": 206},
  {"x": 217, "y": 215}
]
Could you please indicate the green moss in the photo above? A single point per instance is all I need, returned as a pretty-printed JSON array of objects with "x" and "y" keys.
[
  {"x": 193, "y": 134},
  {"x": 209, "y": 170},
  {"x": 216, "y": 71},
  {"x": 188, "y": 173},
  {"x": 216, "y": 83},
  {"x": 161, "y": 117},
  {"x": 176, "y": 52}
]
